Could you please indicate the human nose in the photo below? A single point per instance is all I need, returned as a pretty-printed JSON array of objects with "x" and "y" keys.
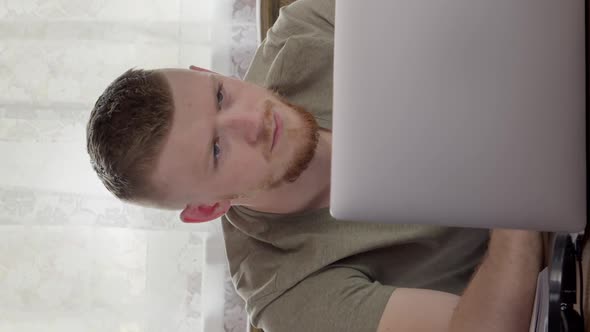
[{"x": 247, "y": 126}]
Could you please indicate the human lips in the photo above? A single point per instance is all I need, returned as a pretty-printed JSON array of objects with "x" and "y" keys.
[{"x": 278, "y": 126}]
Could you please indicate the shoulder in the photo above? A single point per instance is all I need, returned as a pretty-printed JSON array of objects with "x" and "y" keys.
[
  {"x": 336, "y": 298},
  {"x": 305, "y": 15},
  {"x": 302, "y": 36}
]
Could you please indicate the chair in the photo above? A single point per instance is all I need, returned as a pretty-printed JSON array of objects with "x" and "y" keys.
[{"x": 267, "y": 13}]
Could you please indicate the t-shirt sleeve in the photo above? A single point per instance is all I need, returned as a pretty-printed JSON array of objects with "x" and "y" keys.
[
  {"x": 304, "y": 29},
  {"x": 335, "y": 299},
  {"x": 305, "y": 16}
]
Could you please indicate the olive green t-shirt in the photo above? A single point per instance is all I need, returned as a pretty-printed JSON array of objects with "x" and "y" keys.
[{"x": 307, "y": 271}]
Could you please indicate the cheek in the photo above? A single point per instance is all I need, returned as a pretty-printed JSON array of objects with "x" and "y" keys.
[{"x": 245, "y": 170}]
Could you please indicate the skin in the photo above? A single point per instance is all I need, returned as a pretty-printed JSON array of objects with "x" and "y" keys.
[{"x": 220, "y": 150}]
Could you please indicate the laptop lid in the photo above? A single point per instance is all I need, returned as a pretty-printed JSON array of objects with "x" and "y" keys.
[{"x": 460, "y": 113}]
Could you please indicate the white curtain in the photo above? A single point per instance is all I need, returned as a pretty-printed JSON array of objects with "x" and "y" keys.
[{"x": 72, "y": 257}]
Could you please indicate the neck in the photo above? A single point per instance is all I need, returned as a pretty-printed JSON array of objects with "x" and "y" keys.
[{"x": 311, "y": 190}]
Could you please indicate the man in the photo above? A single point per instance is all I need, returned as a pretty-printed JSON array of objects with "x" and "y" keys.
[{"x": 257, "y": 153}]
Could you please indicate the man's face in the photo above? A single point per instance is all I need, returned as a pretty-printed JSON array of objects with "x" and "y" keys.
[{"x": 229, "y": 139}]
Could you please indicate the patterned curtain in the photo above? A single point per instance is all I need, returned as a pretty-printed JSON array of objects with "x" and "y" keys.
[{"x": 72, "y": 257}]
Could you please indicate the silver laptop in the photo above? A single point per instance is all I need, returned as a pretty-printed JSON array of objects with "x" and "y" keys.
[{"x": 460, "y": 113}]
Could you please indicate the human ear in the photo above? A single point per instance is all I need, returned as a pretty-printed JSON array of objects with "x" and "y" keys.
[
  {"x": 195, "y": 68},
  {"x": 203, "y": 212}
]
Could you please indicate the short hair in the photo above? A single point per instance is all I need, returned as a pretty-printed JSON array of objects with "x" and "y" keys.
[{"x": 126, "y": 131}]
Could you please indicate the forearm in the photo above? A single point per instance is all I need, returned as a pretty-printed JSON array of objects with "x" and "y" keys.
[{"x": 501, "y": 294}]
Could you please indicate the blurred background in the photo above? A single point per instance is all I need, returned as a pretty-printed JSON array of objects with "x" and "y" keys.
[{"x": 72, "y": 257}]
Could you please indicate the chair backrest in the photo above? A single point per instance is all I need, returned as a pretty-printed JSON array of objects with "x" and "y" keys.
[{"x": 269, "y": 12}]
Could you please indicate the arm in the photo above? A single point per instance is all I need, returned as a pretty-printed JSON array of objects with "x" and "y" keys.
[{"x": 499, "y": 298}]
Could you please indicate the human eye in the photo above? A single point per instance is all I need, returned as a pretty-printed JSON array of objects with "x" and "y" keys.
[
  {"x": 216, "y": 150},
  {"x": 220, "y": 95}
]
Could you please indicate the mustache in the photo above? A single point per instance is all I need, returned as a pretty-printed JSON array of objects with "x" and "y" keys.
[{"x": 268, "y": 119}]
